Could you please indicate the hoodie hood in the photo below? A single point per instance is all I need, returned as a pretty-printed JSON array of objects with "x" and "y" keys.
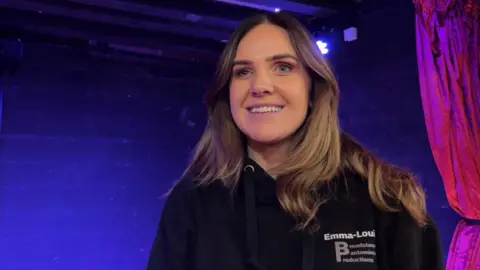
[{"x": 260, "y": 188}]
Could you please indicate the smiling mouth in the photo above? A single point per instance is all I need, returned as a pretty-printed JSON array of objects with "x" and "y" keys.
[{"x": 265, "y": 109}]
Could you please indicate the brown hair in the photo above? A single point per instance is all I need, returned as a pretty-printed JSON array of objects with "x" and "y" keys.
[{"x": 322, "y": 149}]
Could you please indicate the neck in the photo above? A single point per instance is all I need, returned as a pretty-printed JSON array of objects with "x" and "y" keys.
[{"x": 266, "y": 155}]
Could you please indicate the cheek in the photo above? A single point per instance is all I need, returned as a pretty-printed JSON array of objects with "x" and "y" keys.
[
  {"x": 301, "y": 100},
  {"x": 298, "y": 110},
  {"x": 297, "y": 95},
  {"x": 236, "y": 99},
  {"x": 233, "y": 99},
  {"x": 238, "y": 92}
]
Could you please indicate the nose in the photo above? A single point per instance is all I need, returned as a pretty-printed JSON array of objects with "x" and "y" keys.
[{"x": 261, "y": 85}]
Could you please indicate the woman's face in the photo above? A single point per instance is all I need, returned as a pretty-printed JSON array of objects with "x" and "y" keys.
[{"x": 269, "y": 90}]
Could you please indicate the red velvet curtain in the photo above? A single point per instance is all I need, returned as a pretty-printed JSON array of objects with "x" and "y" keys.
[{"x": 448, "y": 45}]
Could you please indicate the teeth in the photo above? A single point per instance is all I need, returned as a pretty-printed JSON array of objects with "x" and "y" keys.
[{"x": 265, "y": 109}]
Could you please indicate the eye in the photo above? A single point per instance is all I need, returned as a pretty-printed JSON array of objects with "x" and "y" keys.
[
  {"x": 241, "y": 73},
  {"x": 284, "y": 67}
]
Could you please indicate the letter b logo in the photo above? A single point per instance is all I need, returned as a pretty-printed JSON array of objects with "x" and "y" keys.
[{"x": 341, "y": 249}]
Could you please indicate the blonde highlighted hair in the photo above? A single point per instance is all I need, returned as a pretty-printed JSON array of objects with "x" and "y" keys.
[{"x": 322, "y": 149}]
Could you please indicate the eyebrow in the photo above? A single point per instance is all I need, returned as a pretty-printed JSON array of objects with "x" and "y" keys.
[{"x": 275, "y": 57}]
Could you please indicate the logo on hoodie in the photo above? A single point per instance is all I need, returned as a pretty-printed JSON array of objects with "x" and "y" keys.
[{"x": 353, "y": 247}]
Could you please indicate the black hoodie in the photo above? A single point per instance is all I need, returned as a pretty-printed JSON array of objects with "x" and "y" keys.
[{"x": 202, "y": 228}]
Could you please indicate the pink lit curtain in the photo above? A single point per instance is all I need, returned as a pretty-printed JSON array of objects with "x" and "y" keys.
[{"x": 448, "y": 45}]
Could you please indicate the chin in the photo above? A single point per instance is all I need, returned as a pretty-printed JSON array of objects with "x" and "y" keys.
[{"x": 267, "y": 138}]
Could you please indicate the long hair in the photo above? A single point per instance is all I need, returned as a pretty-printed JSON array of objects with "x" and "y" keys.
[{"x": 322, "y": 150}]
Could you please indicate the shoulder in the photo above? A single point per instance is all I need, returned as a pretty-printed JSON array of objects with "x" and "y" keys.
[
  {"x": 420, "y": 246},
  {"x": 351, "y": 184},
  {"x": 406, "y": 224},
  {"x": 180, "y": 192},
  {"x": 188, "y": 193},
  {"x": 177, "y": 208}
]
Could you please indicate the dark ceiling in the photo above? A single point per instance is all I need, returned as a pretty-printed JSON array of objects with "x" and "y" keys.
[{"x": 180, "y": 30}]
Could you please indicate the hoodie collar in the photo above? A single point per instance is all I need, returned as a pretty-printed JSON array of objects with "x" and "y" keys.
[
  {"x": 260, "y": 188},
  {"x": 264, "y": 184}
]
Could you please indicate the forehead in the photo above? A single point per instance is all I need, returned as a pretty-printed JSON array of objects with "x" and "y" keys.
[{"x": 263, "y": 41}]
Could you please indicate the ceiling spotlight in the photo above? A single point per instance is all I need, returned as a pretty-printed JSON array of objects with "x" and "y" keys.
[{"x": 322, "y": 46}]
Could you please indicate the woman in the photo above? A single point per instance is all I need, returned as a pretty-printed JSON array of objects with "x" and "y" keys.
[{"x": 275, "y": 184}]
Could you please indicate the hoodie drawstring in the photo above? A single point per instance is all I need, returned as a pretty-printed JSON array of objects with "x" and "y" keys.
[{"x": 308, "y": 243}]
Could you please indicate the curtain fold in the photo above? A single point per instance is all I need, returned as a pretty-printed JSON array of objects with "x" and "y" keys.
[
  {"x": 448, "y": 48},
  {"x": 448, "y": 61},
  {"x": 465, "y": 247}
]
